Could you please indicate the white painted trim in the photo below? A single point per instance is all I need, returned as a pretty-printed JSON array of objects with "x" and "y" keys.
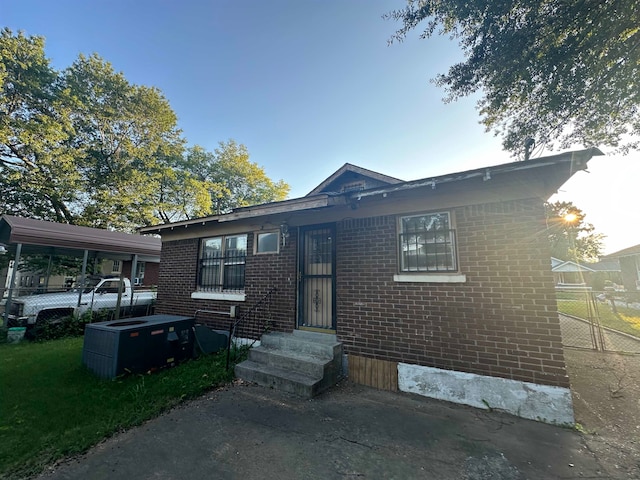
[
  {"x": 544, "y": 403},
  {"x": 431, "y": 278},
  {"x": 233, "y": 297}
]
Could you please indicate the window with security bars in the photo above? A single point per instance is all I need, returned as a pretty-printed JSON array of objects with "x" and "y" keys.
[
  {"x": 222, "y": 264},
  {"x": 427, "y": 243}
]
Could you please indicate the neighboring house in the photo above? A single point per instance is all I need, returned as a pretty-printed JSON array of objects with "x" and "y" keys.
[
  {"x": 629, "y": 261},
  {"x": 567, "y": 273},
  {"x": 146, "y": 272},
  {"x": 29, "y": 282},
  {"x": 445, "y": 280}
]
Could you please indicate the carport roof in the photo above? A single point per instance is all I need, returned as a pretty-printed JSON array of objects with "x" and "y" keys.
[{"x": 41, "y": 237}]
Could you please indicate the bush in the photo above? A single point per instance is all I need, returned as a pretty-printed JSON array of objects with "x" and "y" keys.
[{"x": 66, "y": 327}]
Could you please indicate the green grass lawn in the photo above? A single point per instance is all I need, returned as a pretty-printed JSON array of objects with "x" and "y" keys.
[
  {"x": 627, "y": 320},
  {"x": 52, "y": 407}
]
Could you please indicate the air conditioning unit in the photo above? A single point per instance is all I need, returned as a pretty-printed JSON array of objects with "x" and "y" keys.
[{"x": 137, "y": 345}]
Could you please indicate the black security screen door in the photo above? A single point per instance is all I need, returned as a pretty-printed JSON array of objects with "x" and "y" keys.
[{"x": 317, "y": 278}]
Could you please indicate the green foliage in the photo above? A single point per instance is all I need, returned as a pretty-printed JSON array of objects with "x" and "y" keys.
[
  {"x": 553, "y": 70},
  {"x": 235, "y": 181},
  {"x": 123, "y": 134},
  {"x": 67, "y": 327},
  {"x": 85, "y": 146},
  {"x": 37, "y": 177},
  {"x": 55, "y": 265},
  {"x": 53, "y": 407},
  {"x": 571, "y": 238}
]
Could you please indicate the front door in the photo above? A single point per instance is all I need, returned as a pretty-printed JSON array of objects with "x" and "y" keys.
[{"x": 316, "y": 288}]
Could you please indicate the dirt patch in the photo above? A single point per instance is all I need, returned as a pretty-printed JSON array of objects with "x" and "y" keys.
[{"x": 606, "y": 401}]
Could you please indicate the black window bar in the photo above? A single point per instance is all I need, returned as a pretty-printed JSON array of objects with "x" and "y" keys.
[{"x": 428, "y": 251}]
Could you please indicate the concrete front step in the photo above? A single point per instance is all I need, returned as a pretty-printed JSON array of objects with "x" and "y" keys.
[
  {"x": 295, "y": 361},
  {"x": 278, "y": 378},
  {"x": 316, "y": 344},
  {"x": 303, "y": 363}
]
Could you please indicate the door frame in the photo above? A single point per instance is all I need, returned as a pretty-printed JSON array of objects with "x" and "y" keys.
[{"x": 302, "y": 277}]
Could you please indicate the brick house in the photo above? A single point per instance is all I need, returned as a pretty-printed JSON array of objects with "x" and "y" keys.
[
  {"x": 440, "y": 286},
  {"x": 628, "y": 260}
]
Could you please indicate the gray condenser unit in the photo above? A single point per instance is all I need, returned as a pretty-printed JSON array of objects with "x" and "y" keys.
[{"x": 137, "y": 345}]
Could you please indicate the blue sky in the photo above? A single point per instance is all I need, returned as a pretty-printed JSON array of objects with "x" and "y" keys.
[{"x": 307, "y": 86}]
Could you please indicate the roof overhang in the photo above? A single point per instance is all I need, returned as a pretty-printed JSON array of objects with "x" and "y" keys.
[
  {"x": 267, "y": 209},
  {"x": 566, "y": 163},
  {"x": 538, "y": 178}
]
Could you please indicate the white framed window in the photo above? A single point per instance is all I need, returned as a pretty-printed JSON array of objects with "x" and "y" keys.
[
  {"x": 116, "y": 266},
  {"x": 427, "y": 244},
  {"x": 221, "y": 264},
  {"x": 266, "y": 242}
]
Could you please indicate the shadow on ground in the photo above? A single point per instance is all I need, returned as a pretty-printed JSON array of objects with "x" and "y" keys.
[{"x": 351, "y": 432}]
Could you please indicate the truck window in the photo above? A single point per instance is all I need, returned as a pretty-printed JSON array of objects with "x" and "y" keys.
[{"x": 109, "y": 287}]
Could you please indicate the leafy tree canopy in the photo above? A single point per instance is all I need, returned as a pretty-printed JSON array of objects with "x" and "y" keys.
[
  {"x": 561, "y": 72},
  {"x": 216, "y": 182},
  {"x": 572, "y": 238},
  {"x": 85, "y": 146}
]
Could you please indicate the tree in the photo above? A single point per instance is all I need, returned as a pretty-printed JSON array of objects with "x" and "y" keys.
[
  {"x": 571, "y": 238},
  {"x": 238, "y": 182},
  {"x": 565, "y": 72},
  {"x": 201, "y": 183},
  {"x": 85, "y": 146},
  {"x": 123, "y": 135},
  {"x": 37, "y": 176},
  {"x": 183, "y": 190}
]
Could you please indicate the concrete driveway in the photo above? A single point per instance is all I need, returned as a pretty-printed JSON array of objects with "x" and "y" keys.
[{"x": 351, "y": 432}]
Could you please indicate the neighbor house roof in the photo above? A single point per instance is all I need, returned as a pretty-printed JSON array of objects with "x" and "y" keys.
[
  {"x": 568, "y": 266},
  {"x": 558, "y": 266},
  {"x": 635, "y": 250},
  {"x": 38, "y": 236},
  {"x": 555, "y": 169}
]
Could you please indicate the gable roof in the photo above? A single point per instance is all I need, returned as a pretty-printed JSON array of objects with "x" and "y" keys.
[
  {"x": 635, "y": 250},
  {"x": 348, "y": 174},
  {"x": 539, "y": 177},
  {"x": 568, "y": 266},
  {"x": 39, "y": 236},
  {"x": 558, "y": 265}
]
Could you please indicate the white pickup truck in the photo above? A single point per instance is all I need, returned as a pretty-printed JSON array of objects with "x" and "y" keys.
[{"x": 99, "y": 294}]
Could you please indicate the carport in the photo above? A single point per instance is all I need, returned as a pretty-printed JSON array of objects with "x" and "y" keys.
[{"x": 25, "y": 236}]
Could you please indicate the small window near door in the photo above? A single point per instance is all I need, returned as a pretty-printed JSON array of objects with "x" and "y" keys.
[{"x": 267, "y": 242}]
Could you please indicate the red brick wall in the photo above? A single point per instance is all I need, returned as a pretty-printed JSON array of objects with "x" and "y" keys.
[
  {"x": 151, "y": 271},
  {"x": 502, "y": 322},
  {"x": 177, "y": 280}
]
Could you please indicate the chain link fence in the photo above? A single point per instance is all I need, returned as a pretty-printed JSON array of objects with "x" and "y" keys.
[
  {"x": 605, "y": 321},
  {"x": 100, "y": 298}
]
